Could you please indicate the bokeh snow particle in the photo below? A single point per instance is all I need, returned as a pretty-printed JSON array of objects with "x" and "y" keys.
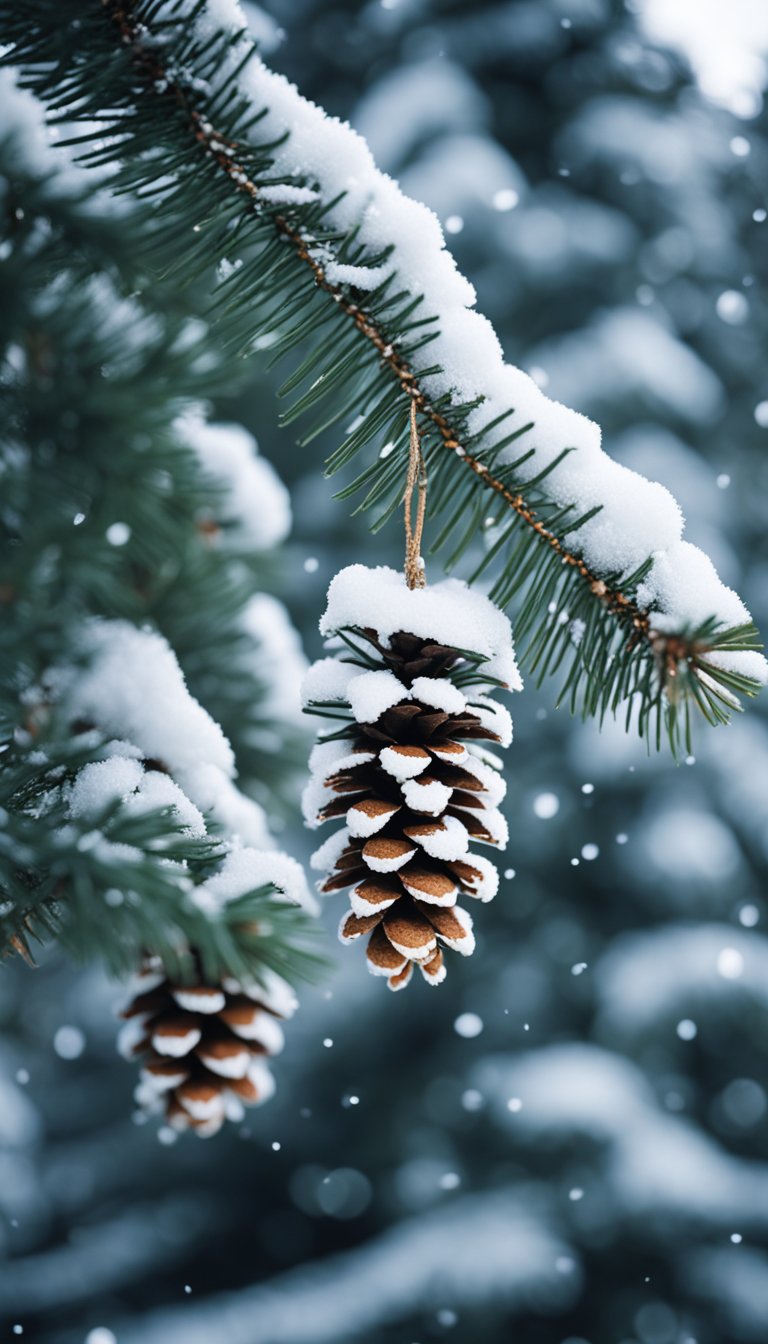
[
  {"x": 118, "y": 534},
  {"x": 100, "y": 1335},
  {"x": 546, "y": 806},
  {"x": 686, "y": 1029},
  {"x": 468, "y": 1025},
  {"x": 732, "y": 307},
  {"x": 472, "y": 1100},
  {"x": 506, "y": 199},
  {"x": 761, "y": 414},
  {"x": 730, "y": 963},
  {"x": 69, "y": 1042}
]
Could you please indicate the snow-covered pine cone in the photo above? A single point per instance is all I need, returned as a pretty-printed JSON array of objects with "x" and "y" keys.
[
  {"x": 407, "y": 771},
  {"x": 203, "y": 1048}
]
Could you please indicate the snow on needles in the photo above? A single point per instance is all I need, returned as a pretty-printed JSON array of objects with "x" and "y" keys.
[
  {"x": 638, "y": 518},
  {"x": 256, "y": 504},
  {"x": 134, "y": 689}
]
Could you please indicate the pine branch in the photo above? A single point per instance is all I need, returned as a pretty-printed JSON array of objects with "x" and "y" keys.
[
  {"x": 591, "y": 625},
  {"x": 94, "y": 375}
]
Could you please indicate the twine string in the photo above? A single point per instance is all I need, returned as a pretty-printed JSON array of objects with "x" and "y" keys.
[{"x": 416, "y": 479}]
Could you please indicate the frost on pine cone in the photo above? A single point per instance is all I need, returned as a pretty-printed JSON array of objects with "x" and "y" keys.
[
  {"x": 204, "y": 1048},
  {"x": 407, "y": 769}
]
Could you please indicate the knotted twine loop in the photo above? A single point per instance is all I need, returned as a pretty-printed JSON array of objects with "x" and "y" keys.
[{"x": 416, "y": 479}]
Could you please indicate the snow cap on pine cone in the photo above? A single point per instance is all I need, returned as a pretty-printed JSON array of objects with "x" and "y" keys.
[{"x": 412, "y": 685}]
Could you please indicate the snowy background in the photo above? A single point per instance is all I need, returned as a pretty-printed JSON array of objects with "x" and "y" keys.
[{"x": 569, "y": 1141}]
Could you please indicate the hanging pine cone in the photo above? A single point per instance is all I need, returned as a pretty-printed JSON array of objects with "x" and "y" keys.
[
  {"x": 203, "y": 1048},
  {"x": 407, "y": 770}
]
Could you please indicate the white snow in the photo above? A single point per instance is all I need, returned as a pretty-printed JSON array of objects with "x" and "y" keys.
[
  {"x": 226, "y": 1066},
  {"x": 464, "y": 942},
  {"x": 496, "y": 825},
  {"x": 243, "y": 819},
  {"x": 362, "y": 277},
  {"x": 102, "y": 783},
  {"x": 324, "y": 858},
  {"x": 278, "y": 662},
  {"x": 362, "y": 907},
  {"x": 256, "y": 504},
  {"x": 264, "y": 1029},
  {"x": 211, "y": 1001},
  {"x": 361, "y": 824},
  {"x": 176, "y": 1045},
  {"x": 487, "y": 885},
  {"x": 247, "y": 869},
  {"x": 157, "y": 791},
  {"x": 200, "y": 1108},
  {"x": 402, "y": 765},
  {"x": 438, "y": 693},
  {"x": 122, "y": 779},
  {"x": 133, "y": 687},
  {"x": 270, "y": 989},
  {"x": 492, "y": 780},
  {"x": 432, "y": 797},
  {"x": 655, "y": 1165},
  {"x": 259, "y": 1074},
  {"x": 285, "y": 193},
  {"x": 327, "y": 679},
  {"x": 326, "y": 758},
  {"x": 380, "y": 863},
  {"x": 683, "y": 588},
  {"x": 372, "y": 693},
  {"x": 492, "y": 716},
  {"x": 651, "y": 977},
  {"x": 450, "y": 841},
  {"x": 448, "y": 612}
]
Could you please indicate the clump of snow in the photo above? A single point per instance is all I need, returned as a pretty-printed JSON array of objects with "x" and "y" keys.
[
  {"x": 431, "y": 798},
  {"x": 285, "y": 193},
  {"x": 439, "y": 693},
  {"x": 327, "y": 679},
  {"x": 247, "y": 869},
  {"x": 243, "y": 820},
  {"x": 133, "y": 687},
  {"x": 448, "y": 841},
  {"x": 256, "y": 504},
  {"x": 102, "y": 784},
  {"x": 496, "y": 718},
  {"x": 448, "y": 612},
  {"x": 325, "y": 857},
  {"x": 279, "y": 662},
  {"x": 372, "y": 693}
]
